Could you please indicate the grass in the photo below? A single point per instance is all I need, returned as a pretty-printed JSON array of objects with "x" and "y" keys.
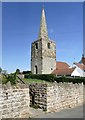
[
  {"x": 4, "y": 80},
  {"x": 33, "y": 80}
]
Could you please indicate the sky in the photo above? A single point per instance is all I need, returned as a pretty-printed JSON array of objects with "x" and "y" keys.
[
  {"x": 20, "y": 27},
  {"x": 0, "y": 33}
]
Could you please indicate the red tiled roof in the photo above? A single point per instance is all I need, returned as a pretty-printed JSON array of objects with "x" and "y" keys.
[
  {"x": 62, "y": 65},
  {"x": 67, "y": 71},
  {"x": 81, "y": 66},
  {"x": 62, "y": 68}
]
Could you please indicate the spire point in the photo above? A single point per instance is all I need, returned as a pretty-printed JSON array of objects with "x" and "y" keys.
[
  {"x": 43, "y": 33},
  {"x": 43, "y": 7}
]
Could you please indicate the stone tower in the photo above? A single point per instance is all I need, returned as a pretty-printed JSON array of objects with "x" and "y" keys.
[{"x": 43, "y": 51}]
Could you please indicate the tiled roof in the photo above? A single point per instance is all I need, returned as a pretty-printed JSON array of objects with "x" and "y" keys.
[
  {"x": 67, "y": 71},
  {"x": 62, "y": 68},
  {"x": 81, "y": 66},
  {"x": 62, "y": 65}
]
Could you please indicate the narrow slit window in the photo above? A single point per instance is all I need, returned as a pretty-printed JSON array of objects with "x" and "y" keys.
[
  {"x": 48, "y": 45},
  {"x": 36, "y": 70},
  {"x": 36, "y": 45}
]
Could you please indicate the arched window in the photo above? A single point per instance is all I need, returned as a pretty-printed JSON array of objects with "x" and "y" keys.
[
  {"x": 36, "y": 70},
  {"x": 48, "y": 45}
]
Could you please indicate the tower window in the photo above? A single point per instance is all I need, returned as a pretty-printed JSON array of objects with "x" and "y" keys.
[
  {"x": 48, "y": 45},
  {"x": 36, "y": 45},
  {"x": 36, "y": 70}
]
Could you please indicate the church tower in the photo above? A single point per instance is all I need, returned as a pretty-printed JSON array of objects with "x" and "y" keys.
[{"x": 43, "y": 51}]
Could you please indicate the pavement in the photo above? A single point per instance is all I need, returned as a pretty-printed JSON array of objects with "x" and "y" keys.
[{"x": 66, "y": 113}]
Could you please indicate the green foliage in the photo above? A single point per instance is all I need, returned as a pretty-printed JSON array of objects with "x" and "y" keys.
[
  {"x": 32, "y": 80},
  {"x": 52, "y": 78},
  {"x": 10, "y": 77},
  {"x": 0, "y": 69},
  {"x": 70, "y": 79},
  {"x": 17, "y": 71},
  {"x": 4, "y": 72},
  {"x": 47, "y": 77},
  {"x": 27, "y": 72},
  {"x": 4, "y": 80}
]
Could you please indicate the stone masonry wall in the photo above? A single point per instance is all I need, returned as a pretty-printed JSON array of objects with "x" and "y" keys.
[
  {"x": 57, "y": 96},
  {"x": 43, "y": 57},
  {"x": 39, "y": 92},
  {"x": 14, "y": 102},
  {"x": 64, "y": 95}
]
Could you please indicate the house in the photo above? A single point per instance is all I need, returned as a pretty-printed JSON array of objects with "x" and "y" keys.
[
  {"x": 63, "y": 69},
  {"x": 79, "y": 70},
  {"x": 82, "y": 61}
]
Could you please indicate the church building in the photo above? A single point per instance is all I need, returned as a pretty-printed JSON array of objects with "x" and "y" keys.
[{"x": 43, "y": 51}]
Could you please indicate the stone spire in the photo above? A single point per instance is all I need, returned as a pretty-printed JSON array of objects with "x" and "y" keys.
[{"x": 43, "y": 33}]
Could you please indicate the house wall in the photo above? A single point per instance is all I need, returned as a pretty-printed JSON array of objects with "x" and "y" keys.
[{"x": 78, "y": 72}]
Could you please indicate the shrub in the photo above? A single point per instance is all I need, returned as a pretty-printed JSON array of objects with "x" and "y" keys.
[
  {"x": 12, "y": 78},
  {"x": 47, "y": 77},
  {"x": 27, "y": 72},
  {"x": 4, "y": 80},
  {"x": 52, "y": 78},
  {"x": 70, "y": 79}
]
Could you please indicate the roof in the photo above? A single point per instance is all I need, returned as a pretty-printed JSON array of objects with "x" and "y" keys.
[
  {"x": 61, "y": 65},
  {"x": 66, "y": 71},
  {"x": 81, "y": 66},
  {"x": 62, "y": 68},
  {"x": 83, "y": 60}
]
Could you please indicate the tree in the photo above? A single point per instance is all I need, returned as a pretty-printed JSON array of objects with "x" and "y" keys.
[
  {"x": 0, "y": 69},
  {"x": 17, "y": 71},
  {"x": 12, "y": 78},
  {"x": 4, "y": 72}
]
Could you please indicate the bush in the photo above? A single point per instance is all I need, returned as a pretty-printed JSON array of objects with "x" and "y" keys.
[
  {"x": 52, "y": 78},
  {"x": 27, "y": 72},
  {"x": 12, "y": 78},
  {"x": 4, "y": 80},
  {"x": 70, "y": 79},
  {"x": 47, "y": 77}
]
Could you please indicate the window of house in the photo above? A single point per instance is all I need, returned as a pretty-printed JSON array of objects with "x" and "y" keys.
[
  {"x": 36, "y": 45},
  {"x": 48, "y": 45}
]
